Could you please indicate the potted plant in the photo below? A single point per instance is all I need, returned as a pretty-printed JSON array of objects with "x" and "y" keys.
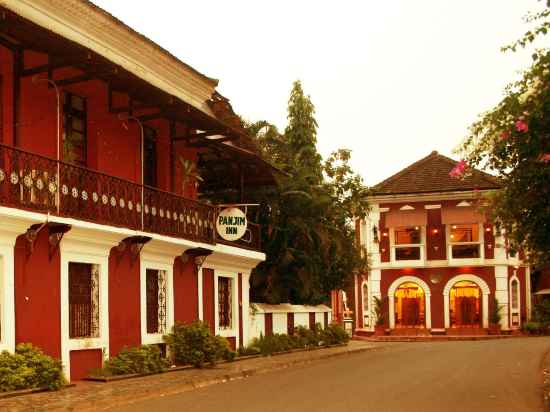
[
  {"x": 378, "y": 312},
  {"x": 494, "y": 318},
  {"x": 189, "y": 173}
]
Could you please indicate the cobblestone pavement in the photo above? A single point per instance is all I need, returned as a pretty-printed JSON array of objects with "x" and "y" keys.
[{"x": 87, "y": 396}]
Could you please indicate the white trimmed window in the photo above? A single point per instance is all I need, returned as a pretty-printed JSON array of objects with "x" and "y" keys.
[
  {"x": 407, "y": 243},
  {"x": 83, "y": 300},
  {"x": 464, "y": 240},
  {"x": 225, "y": 302}
]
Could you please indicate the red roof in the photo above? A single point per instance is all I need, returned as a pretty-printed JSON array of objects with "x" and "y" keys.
[{"x": 431, "y": 174}]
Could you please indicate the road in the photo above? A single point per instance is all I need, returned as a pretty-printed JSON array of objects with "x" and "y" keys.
[{"x": 501, "y": 375}]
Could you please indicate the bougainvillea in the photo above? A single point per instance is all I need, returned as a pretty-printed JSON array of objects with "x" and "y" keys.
[{"x": 513, "y": 141}]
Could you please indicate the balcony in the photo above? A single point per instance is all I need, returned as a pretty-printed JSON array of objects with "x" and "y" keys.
[{"x": 29, "y": 181}]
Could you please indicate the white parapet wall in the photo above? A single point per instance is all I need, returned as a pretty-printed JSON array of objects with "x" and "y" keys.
[{"x": 266, "y": 319}]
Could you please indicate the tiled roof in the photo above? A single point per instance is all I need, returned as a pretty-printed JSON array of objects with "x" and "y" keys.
[{"x": 431, "y": 174}]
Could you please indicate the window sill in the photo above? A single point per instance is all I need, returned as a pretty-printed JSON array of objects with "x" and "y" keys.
[
  {"x": 86, "y": 343},
  {"x": 227, "y": 332},
  {"x": 152, "y": 338}
]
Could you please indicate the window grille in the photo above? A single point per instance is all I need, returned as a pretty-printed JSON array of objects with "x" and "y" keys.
[
  {"x": 224, "y": 303},
  {"x": 156, "y": 300},
  {"x": 83, "y": 300}
]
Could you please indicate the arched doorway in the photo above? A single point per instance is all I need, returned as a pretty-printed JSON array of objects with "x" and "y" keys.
[
  {"x": 465, "y": 305},
  {"x": 410, "y": 306},
  {"x": 484, "y": 292}
]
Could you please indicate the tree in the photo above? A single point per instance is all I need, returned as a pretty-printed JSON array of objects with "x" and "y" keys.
[
  {"x": 513, "y": 140},
  {"x": 307, "y": 234}
]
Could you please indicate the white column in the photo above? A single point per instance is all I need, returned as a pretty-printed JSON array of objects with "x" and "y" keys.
[
  {"x": 375, "y": 277},
  {"x": 199, "y": 292},
  {"x": 246, "y": 307}
]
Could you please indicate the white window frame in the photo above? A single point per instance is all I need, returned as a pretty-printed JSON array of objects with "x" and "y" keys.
[
  {"x": 480, "y": 243},
  {"x": 234, "y": 330},
  {"x": 516, "y": 311},
  {"x": 102, "y": 340},
  {"x": 7, "y": 301},
  {"x": 394, "y": 246},
  {"x": 367, "y": 312},
  {"x": 156, "y": 338}
]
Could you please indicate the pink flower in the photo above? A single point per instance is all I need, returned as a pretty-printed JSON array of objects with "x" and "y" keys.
[
  {"x": 458, "y": 170},
  {"x": 545, "y": 158},
  {"x": 521, "y": 126},
  {"x": 504, "y": 135}
]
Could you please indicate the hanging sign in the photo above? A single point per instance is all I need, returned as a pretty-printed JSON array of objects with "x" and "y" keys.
[{"x": 231, "y": 224}]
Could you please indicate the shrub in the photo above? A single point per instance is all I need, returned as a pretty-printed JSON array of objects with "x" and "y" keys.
[
  {"x": 267, "y": 345},
  {"x": 193, "y": 344},
  {"x": 142, "y": 359},
  {"x": 249, "y": 350},
  {"x": 542, "y": 312},
  {"x": 532, "y": 328},
  {"x": 29, "y": 368},
  {"x": 334, "y": 334},
  {"x": 308, "y": 337}
]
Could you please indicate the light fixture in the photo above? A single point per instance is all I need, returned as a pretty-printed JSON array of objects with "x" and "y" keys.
[
  {"x": 487, "y": 229},
  {"x": 435, "y": 231},
  {"x": 454, "y": 226},
  {"x": 385, "y": 234},
  {"x": 416, "y": 228}
]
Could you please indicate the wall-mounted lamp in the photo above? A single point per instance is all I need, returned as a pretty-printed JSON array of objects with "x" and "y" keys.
[
  {"x": 489, "y": 246},
  {"x": 487, "y": 229},
  {"x": 436, "y": 248},
  {"x": 385, "y": 234},
  {"x": 435, "y": 231},
  {"x": 383, "y": 250}
]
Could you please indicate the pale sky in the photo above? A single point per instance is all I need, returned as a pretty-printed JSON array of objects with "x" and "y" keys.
[{"x": 390, "y": 80}]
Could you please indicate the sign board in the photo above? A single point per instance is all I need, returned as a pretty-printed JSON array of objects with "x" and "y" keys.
[{"x": 231, "y": 224}]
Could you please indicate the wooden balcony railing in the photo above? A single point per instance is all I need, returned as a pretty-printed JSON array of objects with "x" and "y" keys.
[{"x": 29, "y": 181}]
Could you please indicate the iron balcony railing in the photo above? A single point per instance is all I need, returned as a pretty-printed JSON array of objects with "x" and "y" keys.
[{"x": 30, "y": 181}]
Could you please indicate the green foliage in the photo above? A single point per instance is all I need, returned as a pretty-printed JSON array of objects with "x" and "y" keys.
[
  {"x": 379, "y": 311},
  {"x": 513, "y": 140},
  {"x": 302, "y": 338},
  {"x": 334, "y": 334},
  {"x": 249, "y": 351},
  {"x": 533, "y": 328},
  {"x": 194, "y": 344},
  {"x": 143, "y": 359},
  {"x": 29, "y": 368},
  {"x": 495, "y": 313},
  {"x": 542, "y": 312},
  {"x": 308, "y": 232}
]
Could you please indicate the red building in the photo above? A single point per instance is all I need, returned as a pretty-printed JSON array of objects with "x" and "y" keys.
[
  {"x": 104, "y": 242},
  {"x": 437, "y": 263}
]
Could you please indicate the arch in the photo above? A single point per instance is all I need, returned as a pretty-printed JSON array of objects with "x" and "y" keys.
[
  {"x": 391, "y": 298},
  {"x": 485, "y": 292}
]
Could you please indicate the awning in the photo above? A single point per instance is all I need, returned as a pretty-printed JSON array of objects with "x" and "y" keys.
[
  {"x": 461, "y": 215},
  {"x": 543, "y": 292},
  {"x": 405, "y": 218}
]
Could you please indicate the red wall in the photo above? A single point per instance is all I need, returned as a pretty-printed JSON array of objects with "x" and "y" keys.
[
  {"x": 186, "y": 300},
  {"x": 487, "y": 273},
  {"x": 435, "y": 236},
  {"x": 6, "y": 72},
  {"x": 124, "y": 302},
  {"x": 384, "y": 239},
  {"x": 208, "y": 297},
  {"x": 84, "y": 360},
  {"x": 38, "y": 295},
  {"x": 113, "y": 144}
]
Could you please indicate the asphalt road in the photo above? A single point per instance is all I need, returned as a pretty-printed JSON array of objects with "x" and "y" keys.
[{"x": 501, "y": 375}]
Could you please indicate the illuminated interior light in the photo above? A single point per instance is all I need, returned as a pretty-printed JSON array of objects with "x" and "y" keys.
[
  {"x": 435, "y": 231},
  {"x": 454, "y": 226}
]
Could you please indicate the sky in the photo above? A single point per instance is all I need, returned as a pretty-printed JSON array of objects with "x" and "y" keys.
[{"x": 390, "y": 80}]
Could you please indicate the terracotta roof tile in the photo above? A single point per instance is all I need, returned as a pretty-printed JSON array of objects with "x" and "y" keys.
[{"x": 431, "y": 174}]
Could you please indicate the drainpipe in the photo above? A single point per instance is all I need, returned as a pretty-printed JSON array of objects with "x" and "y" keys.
[{"x": 36, "y": 79}]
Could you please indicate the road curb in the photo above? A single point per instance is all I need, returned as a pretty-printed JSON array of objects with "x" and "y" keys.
[{"x": 229, "y": 377}]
